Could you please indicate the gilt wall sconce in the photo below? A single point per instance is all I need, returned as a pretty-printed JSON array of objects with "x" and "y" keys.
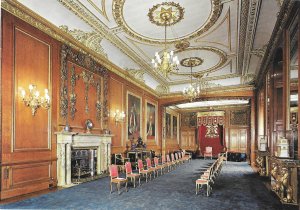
[
  {"x": 33, "y": 99},
  {"x": 119, "y": 116}
]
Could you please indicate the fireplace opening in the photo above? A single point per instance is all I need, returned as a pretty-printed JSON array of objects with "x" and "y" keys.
[{"x": 83, "y": 165}]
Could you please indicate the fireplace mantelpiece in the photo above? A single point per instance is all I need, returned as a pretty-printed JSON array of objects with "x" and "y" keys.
[{"x": 68, "y": 140}]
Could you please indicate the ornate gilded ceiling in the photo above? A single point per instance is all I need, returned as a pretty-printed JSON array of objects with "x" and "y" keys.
[{"x": 229, "y": 37}]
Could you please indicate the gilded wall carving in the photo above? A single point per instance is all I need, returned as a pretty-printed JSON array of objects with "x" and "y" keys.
[
  {"x": 68, "y": 54},
  {"x": 239, "y": 117},
  {"x": 189, "y": 119},
  {"x": 73, "y": 96}
]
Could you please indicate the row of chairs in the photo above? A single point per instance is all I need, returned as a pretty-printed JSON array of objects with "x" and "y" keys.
[
  {"x": 209, "y": 176},
  {"x": 166, "y": 165}
]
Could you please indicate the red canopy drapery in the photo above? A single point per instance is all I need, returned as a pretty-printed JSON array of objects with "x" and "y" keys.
[{"x": 211, "y": 131}]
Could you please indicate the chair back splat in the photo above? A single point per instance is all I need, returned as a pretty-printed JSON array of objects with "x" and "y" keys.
[
  {"x": 128, "y": 168},
  {"x": 114, "y": 171}
]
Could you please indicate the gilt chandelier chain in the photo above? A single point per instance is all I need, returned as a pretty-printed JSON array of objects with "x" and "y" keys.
[
  {"x": 169, "y": 14},
  {"x": 193, "y": 90}
]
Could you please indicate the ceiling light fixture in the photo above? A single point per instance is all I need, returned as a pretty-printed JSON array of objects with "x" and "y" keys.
[
  {"x": 193, "y": 90},
  {"x": 169, "y": 14}
]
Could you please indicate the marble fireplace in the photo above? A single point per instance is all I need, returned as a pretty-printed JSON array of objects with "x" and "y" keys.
[{"x": 95, "y": 146}]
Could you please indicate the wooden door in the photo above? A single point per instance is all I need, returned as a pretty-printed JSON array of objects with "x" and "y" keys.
[
  {"x": 187, "y": 138},
  {"x": 237, "y": 140}
]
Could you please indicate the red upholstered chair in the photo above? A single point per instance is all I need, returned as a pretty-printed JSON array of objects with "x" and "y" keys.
[
  {"x": 169, "y": 162},
  {"x": 164, "y": 162},
  {"x": 114, "y": 178},
  {"x": 205, "y": 180},
  {"x": 142, "y": 171},
  {"x": 149, "y": 166},
  {"x": 173, "y": 160},
  {"x": 208, "y": 152},
  {"x": 131, "y": 175},
  {"x": 158, "y": 166}
]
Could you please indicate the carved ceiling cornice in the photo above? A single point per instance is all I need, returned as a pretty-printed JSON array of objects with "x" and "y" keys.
[
  {"x": 260, "y": 52},
  {"x": 48, "y": 28},
  {"x": 282, "y": 18},
  {"x": 218, "y": 90},
  {"x": 213, "y": 108},
  {"x": 228, "y": 76},
  {"x": 89, "y": 39},
  {"x": 248, "y": 79},
  {"x": 162, "y": 89},
  {"x": 250, "y": 33},
  {"x": 242, "y": 33},
  {"x": 137, "y": 74}
]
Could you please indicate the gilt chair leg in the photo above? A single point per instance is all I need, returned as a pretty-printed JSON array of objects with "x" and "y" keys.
[
  {"x": 110, "y": 188},
  {"x": 118, "y": 186},
  {"x": 139, "y": 180},
  {"x": 126, "y": 187}
]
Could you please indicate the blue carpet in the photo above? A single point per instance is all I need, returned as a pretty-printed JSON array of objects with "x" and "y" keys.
[{"x": 237, "y": 187}]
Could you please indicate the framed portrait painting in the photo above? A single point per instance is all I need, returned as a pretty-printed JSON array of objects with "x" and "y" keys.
[
  {"x": 151, "y": 120},
  {"x": 134, "y": 118},
  {"x": 175, "y": 127},
  {"x": 168, "y": 125}
]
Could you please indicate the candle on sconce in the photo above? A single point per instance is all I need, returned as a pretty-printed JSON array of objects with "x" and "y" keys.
[{"x": 30, "y": 87}]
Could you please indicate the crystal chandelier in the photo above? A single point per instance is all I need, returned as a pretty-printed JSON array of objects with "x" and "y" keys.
[
  {"x": 193, "y": 90},
  {"x": 166, "y": 63}
]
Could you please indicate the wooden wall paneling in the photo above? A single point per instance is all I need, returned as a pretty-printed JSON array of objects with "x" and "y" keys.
[
  {"x": 250, "y": 144},
  {"x": 31, "y": 132},
  {"x": 243, "y": 140},
  {"x": 27, "y": 140},
  {"x": 233, "y": 140},
  {"x": 117, "y": 103}
]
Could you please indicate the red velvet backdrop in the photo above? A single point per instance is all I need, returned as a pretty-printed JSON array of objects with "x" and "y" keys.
[{"x": 217, "y": 143}]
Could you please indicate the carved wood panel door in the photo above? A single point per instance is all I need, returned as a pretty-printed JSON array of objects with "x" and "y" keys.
[
  {"x": 187, "y": 138},
  {"x": 237, "y": 140}
]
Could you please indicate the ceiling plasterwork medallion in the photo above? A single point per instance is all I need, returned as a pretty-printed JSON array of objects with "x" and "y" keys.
[
  {"x": 222, "y": 55},
  {"x": 119, "y": 12},
  {"x": 191, "y": 62},
  {"x": 166, "y": 13}
]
